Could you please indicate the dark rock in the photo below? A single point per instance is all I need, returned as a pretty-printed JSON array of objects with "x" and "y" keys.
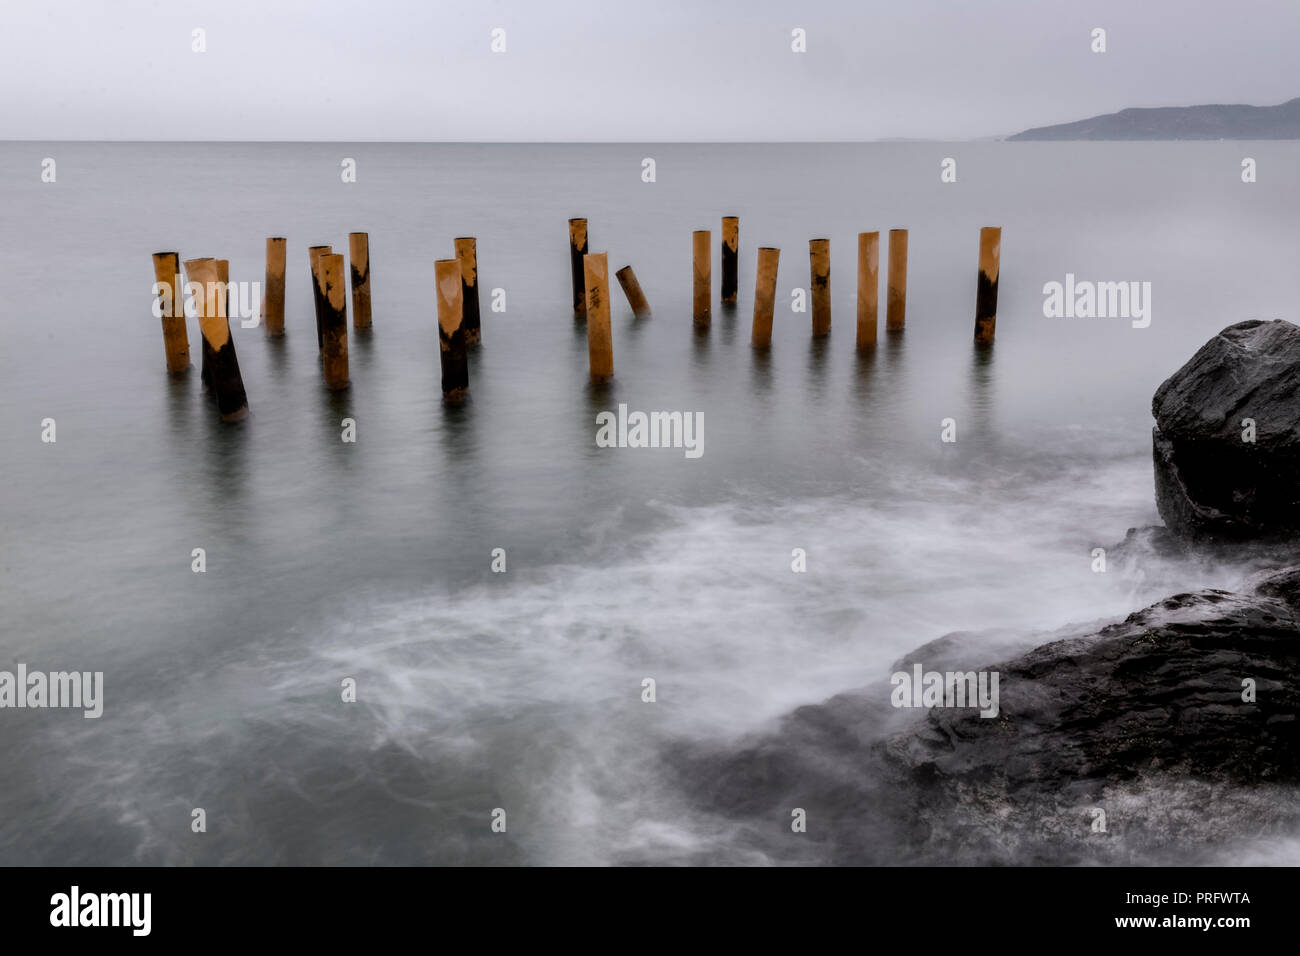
[
  {"x": 1154, "y": 552},
  {"x": 1145, "y": 705},
  {"x": 953, "y": 651},
  {"x": 1210, "y": 483},
  {"x": 1143, "y": 720},
  {"x": 1282, "y": 584}
]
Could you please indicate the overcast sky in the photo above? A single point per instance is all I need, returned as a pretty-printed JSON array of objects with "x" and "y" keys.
[{"x": 602, "y": 70}]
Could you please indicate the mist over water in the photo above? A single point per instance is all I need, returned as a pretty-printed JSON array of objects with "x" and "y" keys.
[{"x": 523, "y": 690}]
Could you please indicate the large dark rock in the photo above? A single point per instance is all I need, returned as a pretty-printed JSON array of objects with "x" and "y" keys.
[
  {"x": 1148, "y": 707},
  {"x": 1210, "y": 482},
  {"x": 1143, "y": 720}
]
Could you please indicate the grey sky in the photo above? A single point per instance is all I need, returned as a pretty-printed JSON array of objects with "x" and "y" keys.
[{"x": 588, "y": 70}]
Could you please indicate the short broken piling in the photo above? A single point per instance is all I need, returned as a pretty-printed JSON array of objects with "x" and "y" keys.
[{"x": 632, "y": 289}]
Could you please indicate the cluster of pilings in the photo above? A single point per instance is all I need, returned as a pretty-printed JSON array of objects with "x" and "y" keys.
[
  {"x": 219, "y": 368},
  {"x": 456, "y": 287},
  {"x": 591, "y": 299},
  {"x": 207, "y": 281},
  {"x": 591, "y": 292},
  {"x": 456, "y": 293},
  {"x": 329, "y": 285},
  {"x": 459, "y": 327}
]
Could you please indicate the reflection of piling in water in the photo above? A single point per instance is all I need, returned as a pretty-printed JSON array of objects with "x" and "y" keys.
[
  {"x": 359, "y": 254},
  {"x": 981, "y": 402},
  {"x": 332, "y": 288},
  {"x": 578, "y": 249},
  {"x": 223, "y": 367},
  {"x": 273, "y": 294},
  {"x": 451, "y": 333},
  {"x": 868, "y": 287},
  {"x": 896, "y": 296},
  {"x": 632, "y": 289},
  {"x": 819, "y": 260},
  {"x": 730, "y": 255},
  {"x": 600, "y": 342},
  {"x": 986, "y": 294},
  {"x": 467, "y": 256},
  {"x": 702, "y": 267},
  {"x": 313, "y": 257},
  {"x": 764, "y": 296},
  {"x": 176, "y": 340}
]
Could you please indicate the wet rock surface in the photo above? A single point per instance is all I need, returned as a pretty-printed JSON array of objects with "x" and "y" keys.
[
  {"x": 1140, "y": 726},
  {"x": 1210, "y": 481}
]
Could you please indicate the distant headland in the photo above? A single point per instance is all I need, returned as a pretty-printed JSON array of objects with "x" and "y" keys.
[{"x": 1215, "y": 121}]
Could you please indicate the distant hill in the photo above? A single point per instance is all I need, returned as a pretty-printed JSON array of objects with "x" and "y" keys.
[{"x": 1216, "y": 121}]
